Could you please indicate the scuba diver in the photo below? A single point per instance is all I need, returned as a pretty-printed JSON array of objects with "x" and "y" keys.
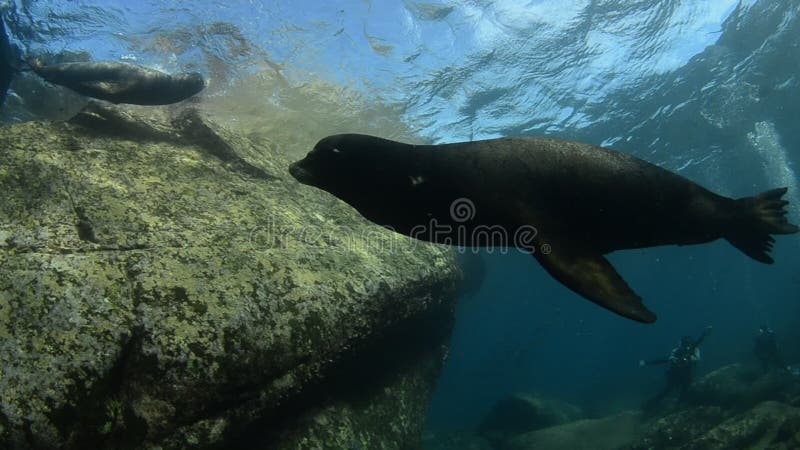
[
  {"x": 766, "y": 349},
  {"x": 680, "y": 372}
]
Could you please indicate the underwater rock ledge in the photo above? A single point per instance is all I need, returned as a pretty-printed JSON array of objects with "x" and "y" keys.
[{"x": 165, "y": 284}]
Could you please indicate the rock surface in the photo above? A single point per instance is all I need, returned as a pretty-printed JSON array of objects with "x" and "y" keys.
[
  {"x": 165, "y": 284},
  {"x": 736, "y": 386},
  {"x": 607, "y": 433},
  {"x": 769, "y": 425},
  {"x": 520, "y": 413},
  {"x": 731, "y": 407},
  {"x": 679, "y": 428}
]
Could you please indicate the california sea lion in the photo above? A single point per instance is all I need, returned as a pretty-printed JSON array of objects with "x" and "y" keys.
[
  {"x": 584, "y": 201},
  {"x": 119, "y": 82}
]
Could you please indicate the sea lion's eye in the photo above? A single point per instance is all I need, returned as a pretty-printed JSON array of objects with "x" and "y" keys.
[{"x": 336, "y": 150}]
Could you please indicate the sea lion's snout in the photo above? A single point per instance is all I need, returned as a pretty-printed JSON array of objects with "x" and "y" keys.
[
  {"x": 299, "y": 173},
  {"x": 194, "y": 81}
]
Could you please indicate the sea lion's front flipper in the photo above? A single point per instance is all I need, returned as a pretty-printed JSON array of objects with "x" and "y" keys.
[
  {"x": 105, "y": 86},
  {"x": 592, "y": 276}
]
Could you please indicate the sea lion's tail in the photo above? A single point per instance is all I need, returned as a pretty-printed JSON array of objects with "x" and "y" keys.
[{"x": 758, "y": 218}]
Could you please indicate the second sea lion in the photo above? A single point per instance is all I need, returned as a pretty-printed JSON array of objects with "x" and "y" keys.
[{"x": 118, "y": 82}]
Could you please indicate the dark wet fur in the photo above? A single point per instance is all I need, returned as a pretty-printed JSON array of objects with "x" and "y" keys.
[
  {"x": 121, "y": 82},
  {"x": 584, "y": 201}
]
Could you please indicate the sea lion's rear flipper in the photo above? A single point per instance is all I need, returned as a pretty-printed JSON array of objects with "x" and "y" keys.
[
  {"x": 592, "y": 276},
  {"x": 756, "y": 219}
]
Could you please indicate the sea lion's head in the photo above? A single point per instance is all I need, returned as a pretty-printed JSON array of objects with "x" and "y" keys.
[
  {"x": 339, "y": 162},
  {"x": 321, "y": 164},
  {"x": 362, "y": 170},
  {"x": 189, "y": 83}
]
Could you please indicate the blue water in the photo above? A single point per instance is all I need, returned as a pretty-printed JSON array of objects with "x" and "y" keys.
[{"x": 710, "y": 89}]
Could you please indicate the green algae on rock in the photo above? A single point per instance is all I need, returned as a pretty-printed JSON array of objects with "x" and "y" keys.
[
  {"x": 164, "y": 284},
  {"x": 769, "y": 424},
  {"x": 737, "y": 386}
]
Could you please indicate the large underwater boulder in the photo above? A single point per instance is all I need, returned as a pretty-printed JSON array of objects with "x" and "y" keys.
[
  {"x": 737, "y": 386},
  {"x": 769, "y": 424},
  {"x": 734, "y": 406},
  {"x": 679, "y": 428},
  {"x": 520, "y": 413},
  {"x": 607, "y": 433},
  {"x": 165, "y": 284}
]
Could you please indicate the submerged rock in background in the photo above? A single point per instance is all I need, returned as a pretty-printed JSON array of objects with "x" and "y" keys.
[
  {"x": 768, "y": 425},
  {"x": 732, "y": 407},
  {"x": 679, "y": 428},
  {"x": 736, "y": 386},
  {"x": 607, "y": 433},
  {"x": 521, "y": 413},
  {"x": 164, "y": 283}
]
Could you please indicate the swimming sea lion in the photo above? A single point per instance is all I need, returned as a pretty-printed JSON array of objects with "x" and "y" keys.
[
  {"x": 119, "y": 82},
  {"x": 567, "y": 202}
]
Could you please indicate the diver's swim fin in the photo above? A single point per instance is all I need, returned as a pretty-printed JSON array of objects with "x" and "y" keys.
[{"x": 593, "y": 277}]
